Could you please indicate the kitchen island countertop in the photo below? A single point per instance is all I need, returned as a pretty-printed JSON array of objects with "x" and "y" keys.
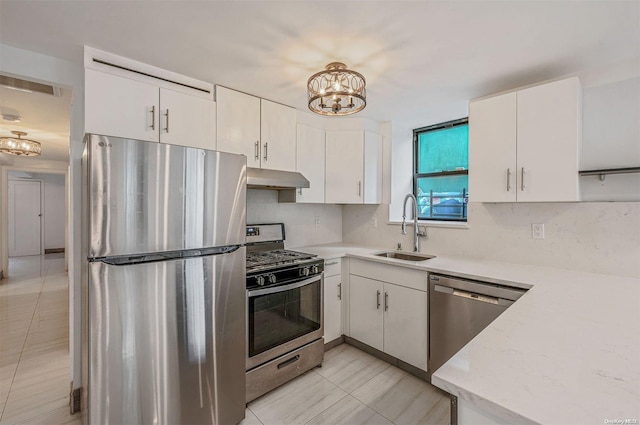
[{"x": 567, "y": 352}]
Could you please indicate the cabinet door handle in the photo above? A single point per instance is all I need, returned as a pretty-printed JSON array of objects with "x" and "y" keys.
[
  {"x": 153, "y": 118},
  {"x": 522, "y": 180},
  {"x": 257, "y": 150},
  {"x": 359, "y": 188},
  {"x": 377, "y": 300},
  {"x": 508, "y": 179},
  {"x": 266, "y": 154},
  {"x": 166, "y": 121},
  {"x": 299, "y": 191},
  {"x": 339, "y": 291},
  {"x": 386, "y": 301}
]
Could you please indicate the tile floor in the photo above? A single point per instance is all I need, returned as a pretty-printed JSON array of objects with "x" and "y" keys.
[
  {"x": 351, "y": 388},
  {"x": 34, "y": 342}
]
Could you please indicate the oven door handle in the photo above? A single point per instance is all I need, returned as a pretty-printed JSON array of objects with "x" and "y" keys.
[{"x": 274, "y": 289}]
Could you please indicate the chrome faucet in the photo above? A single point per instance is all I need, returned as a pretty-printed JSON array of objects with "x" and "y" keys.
[{"x": 416, "y": 230}]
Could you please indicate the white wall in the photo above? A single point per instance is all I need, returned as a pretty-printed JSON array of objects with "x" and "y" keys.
[
  {"x": 52, "y": 206},
  {"x": 298, "y": 219}
]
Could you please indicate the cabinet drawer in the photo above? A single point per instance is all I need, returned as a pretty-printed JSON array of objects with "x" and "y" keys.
[
  {"x": 332, "y": 267},
  {"x": 402, "y": 276}
]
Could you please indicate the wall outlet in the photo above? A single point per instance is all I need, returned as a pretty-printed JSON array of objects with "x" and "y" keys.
[
  {"x": 373, "y": 223},
  {"x": 317, "y": 221},
  {"x": 537, "y": 231}
]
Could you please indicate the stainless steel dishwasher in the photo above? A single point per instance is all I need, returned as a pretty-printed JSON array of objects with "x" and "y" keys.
[{"x": 458, "y": 310}]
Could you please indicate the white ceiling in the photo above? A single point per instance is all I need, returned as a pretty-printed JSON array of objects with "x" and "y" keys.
[
  {"x": 421, "y": 59},
  {"x": 45, "y": 118}
]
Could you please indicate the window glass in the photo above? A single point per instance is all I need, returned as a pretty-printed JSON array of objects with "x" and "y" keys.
[
  {"x": 443, "y": 150},
  {"x": 441, "y": 180}
]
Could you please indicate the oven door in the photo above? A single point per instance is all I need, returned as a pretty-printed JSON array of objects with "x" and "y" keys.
[{"x": 283, "y": 318}]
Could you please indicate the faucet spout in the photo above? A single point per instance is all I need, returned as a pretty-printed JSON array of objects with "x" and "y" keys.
[{"x": 416, "y": 242}]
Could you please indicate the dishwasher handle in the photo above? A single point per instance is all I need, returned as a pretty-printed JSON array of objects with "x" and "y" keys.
[{"x": 473, "y": 296}]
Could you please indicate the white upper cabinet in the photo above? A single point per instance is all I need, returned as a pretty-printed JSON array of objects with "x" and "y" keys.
[
  {"x": 121, "y": 107},
  {"x": 524, "y": 146},
  {"x": 264, "y": 131},
  {"x": 238, "y": 124},
  {"x": 278, "y": 136},
  {"x": 492, "y": 149},
  {"x": 549, "y": 142},
  {"x": 186, "y": 120},
  {"x": 353, "y": 167},
  {"x": 310, "y": 162},
  {"x": 124, "y": 107}
]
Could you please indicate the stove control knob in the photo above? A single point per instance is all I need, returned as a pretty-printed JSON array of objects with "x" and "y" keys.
[
  {"x": 315, "y": 269},
  {"x": 304, "y": 271},
  {"x": 272, "y": 278},
  {"x": 260, "y": 280}
]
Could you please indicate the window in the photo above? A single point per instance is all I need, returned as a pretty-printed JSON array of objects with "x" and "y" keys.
[{"x": 441, "y": 170}]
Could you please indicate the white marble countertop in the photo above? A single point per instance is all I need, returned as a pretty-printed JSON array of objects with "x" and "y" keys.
[{"x": 567, "y": 352}]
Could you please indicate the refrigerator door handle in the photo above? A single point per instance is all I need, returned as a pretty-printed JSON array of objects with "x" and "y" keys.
[{"x": 124, "y": 260}]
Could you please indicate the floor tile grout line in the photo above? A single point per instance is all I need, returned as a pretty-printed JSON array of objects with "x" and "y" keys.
[
  {"x": 346, "y": 394},
  {"x": 24, "y": 343}
]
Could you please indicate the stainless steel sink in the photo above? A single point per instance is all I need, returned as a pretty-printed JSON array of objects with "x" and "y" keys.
[{"x": 407, "y": 256}]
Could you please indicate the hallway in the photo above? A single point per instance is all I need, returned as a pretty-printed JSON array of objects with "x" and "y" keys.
[{"x": 34, "y": 342}]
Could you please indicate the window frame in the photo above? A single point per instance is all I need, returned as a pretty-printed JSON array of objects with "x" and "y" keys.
[{"x": 416, "y": 175}]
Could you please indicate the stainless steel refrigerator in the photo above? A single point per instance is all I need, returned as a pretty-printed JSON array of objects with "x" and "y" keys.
[{"x": 164, "y": 294}]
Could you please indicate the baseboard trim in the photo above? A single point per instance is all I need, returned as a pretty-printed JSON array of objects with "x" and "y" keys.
[
  {"x": 418, "y": 373},
  {"x": 53, "y": 250},
  {"x": 333, "y": 344}
]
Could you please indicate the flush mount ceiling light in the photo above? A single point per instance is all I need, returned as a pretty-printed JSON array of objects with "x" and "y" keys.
[
  {"x": 336, "y": 91},
  {"x": 19, "y": 146}
]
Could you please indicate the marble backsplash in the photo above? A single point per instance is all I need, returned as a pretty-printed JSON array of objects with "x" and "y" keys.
[
  {"x": 299, "y": 219},
  {"x": 597, "y": 237}
]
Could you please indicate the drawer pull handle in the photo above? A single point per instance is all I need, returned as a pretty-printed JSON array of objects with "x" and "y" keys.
[
  {"x": 288, "y": 362},
  {"x": 333, "y": 263},
  {"x": 339, "y": 291}
]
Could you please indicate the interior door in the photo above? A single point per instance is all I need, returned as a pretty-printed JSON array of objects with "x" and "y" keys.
[{"x": 24, "y": 218}]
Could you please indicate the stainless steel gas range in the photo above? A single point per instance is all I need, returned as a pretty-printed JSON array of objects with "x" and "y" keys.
[{"x": 285, "y": 320}]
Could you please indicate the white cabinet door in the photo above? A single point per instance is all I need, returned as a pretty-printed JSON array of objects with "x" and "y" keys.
[
  {"x": 186, "y": 120},
  {"x": 332, "y": 308},
  {"x": 365, "y": 311},
  {"x": 492, "y": 149},
  {"x": 277, "y": 136},
  {"x": 238, "y": 124},
  {"x": 310, "y": 162},
  {"x": 344, "y": 167},
  {"x": 549, "y": 133},
  {"x": 121, "y": 107},
  {"x": 372, "y": 168},
  {"x": 406, "y": 324}
]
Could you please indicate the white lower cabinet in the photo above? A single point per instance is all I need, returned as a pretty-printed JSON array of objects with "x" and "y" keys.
[
  {"x": 405, "y": 324},
  {"x": 388, "y": 310},
  {"x": 365, "y": 311},
  {"x": 332, "y": 300}
]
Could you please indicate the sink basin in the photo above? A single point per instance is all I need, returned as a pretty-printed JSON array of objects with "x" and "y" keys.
[{"x": 407, "y": 256}]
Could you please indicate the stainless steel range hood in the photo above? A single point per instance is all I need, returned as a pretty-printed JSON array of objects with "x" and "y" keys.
[{"x": 258, "y": 178}]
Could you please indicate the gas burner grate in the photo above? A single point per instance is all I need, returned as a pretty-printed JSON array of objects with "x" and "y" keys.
[{"x": 275, "y": 258}]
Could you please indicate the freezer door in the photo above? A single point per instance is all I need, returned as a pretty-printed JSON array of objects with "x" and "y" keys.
[
  {"x": 167, "y": 341},
  {"x": 150, "y": 197}
]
